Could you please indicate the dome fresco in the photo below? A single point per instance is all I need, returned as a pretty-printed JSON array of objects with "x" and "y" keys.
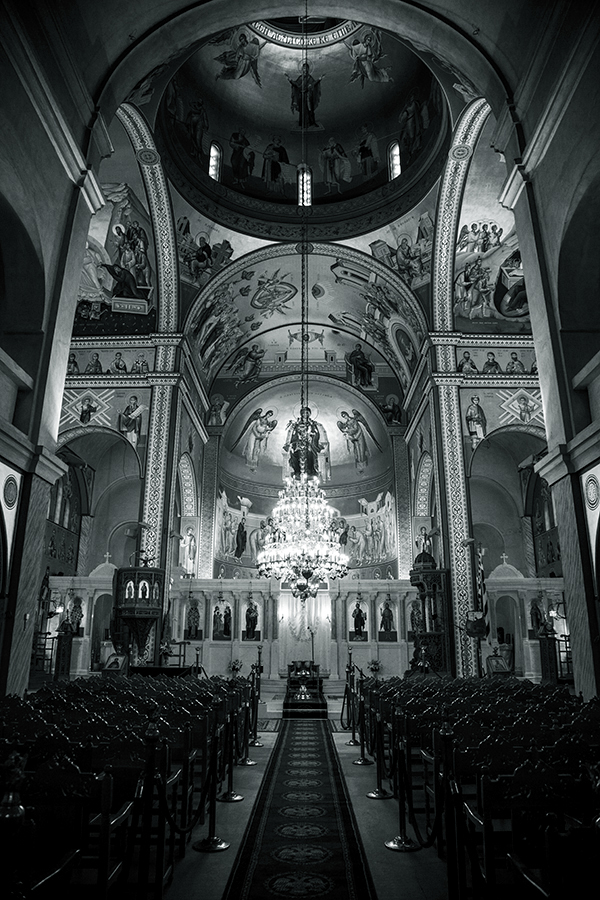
[{"x": 270, "y": 106}]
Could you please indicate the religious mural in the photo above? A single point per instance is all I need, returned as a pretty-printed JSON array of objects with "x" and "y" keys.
[
  {"x": 489, "y": 282},
  {"x": 124, "y": 411},
  {"x": 244, "y": 68},
  {"x": 406, "y": 246},
  {"x": 118, "y": 283},
  {"x": 499, "y": 361},
  {"x": 239, "y": 326},
  {"x": 483, "y": 411},
  {"x": 102, "y": 361},
  {"x": 204, "y": 248},
  {"x": 367, "y": 532}
]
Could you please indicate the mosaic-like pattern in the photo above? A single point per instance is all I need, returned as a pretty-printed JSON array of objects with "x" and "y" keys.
[
  {"x": 458, "y": 525},
  {"x": 466, "y": 134},
  {"x": 154, "y": 493},
  {"x": 160, "y": 210}
]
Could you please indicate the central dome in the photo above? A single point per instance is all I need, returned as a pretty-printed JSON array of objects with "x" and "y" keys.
[{"x": 335, "y": 98}]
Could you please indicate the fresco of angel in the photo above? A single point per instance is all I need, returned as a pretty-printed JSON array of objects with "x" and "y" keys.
[
  {"x": 356, "y": 429},
  {"x": 256, "y": 432},
  {"x": 365, "y": 57},
  {"x": 241, "y": 59},
  {"x": 247, "y": 364}
]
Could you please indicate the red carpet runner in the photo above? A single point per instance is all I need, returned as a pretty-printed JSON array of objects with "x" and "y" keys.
[{"x": 302, "y": 839}]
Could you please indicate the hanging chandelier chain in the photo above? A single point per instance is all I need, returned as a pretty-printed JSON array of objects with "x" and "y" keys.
[{"x": 302, "y": 547}]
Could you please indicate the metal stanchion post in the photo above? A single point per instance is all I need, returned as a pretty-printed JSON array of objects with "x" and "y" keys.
[
  {"x": 212, "y": 843},
  {"x": 362, "y": 760},
  {"x": 246, "y": 761},
  {"x": 401, "y": 843},
  {"x": 255, "y": 694},
  {"x": 230, "y": 796},
  {"x": 350, "y": 694},
  {"x": 380, "y": 792}
]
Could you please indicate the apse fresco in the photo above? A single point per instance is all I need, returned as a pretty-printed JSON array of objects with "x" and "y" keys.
[
  {"x": 250, "y": 91},
  {"x": 367, "y": 532},
  {"x": 352, "y": 434},
  {"x": 489, "y": 281},
  {"x": 125, "y": 411},
  {"x": 484, "y": 411},
  {"x": 231, "y": 326}
]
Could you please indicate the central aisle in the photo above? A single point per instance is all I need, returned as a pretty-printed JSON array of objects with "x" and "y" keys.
[{"x": 302, "y": 838}]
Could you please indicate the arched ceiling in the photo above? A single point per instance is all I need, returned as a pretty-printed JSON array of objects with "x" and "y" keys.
[
  {"x": 255, "y": 305},
  {"x": 332, "y": 99}
]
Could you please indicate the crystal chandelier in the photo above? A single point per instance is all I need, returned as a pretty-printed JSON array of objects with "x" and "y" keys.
[{"x": 302, "y": 548}]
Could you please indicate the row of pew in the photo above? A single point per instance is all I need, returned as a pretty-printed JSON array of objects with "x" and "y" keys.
[
  {"x": 103, "y": 780},
  {"x": 502, "y": 776}
]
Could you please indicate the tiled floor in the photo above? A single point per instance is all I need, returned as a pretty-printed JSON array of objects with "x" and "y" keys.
[{"x": 397, "y": 876}]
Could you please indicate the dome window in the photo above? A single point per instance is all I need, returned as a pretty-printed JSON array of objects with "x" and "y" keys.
[
  {"x": 304, "y": 185},
  {"x": 394, "y": 166},
  {"x": 215, "y": 161}
]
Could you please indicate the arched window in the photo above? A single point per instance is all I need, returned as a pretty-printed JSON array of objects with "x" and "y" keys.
[
  {"x": 215, "y": 161},
  {"x": 304, "y": 185},
  {"x": 394, "y": 166}
]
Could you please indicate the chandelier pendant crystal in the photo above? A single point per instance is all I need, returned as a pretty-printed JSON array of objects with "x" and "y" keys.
[{"x": 302, "y": 546}]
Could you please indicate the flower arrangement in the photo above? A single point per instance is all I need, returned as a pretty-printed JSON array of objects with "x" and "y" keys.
[
  {"x": 235, "y": 666},
  {"x": 374, "y": 666}
]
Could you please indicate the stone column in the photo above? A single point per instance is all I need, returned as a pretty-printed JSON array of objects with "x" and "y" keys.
[
  {"x": 159, "y": 457},
  {"x": 20, "y": 605},
  {"x": 403, "y": 523},
  {"x": 210, "y": 472},
  {"x": 581, "y": 604},
  {"x": 455, "y": 488}
]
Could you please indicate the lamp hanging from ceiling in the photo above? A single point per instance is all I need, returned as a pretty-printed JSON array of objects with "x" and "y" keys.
[{"x": 302, "y": 549}]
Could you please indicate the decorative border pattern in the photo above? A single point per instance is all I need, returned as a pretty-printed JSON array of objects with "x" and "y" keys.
[
  {"x": 467, "y": 131},
  {"x": 207, "y": 507},
  {"x": 423, "y": 486},
  {"x": 458, "y": 525},
  {"x": 436, "y": 465},
  {"x": 156, "y": 469},
  {"x": 403, "y": 526},
  {"x": 160, "y": 210},
  {"x": 10, "y": 491},
  {"x": 187, "y": 478},
  {"x": 287, "y": 39},
  {"x": 174, "y": 470}
]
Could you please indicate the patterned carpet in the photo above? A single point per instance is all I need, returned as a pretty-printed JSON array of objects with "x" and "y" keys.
[{"x": 302, "y": 840}]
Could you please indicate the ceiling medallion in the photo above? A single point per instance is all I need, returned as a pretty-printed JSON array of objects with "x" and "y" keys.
[
  {"x": 592, "y": 491},
  {"x": 147, "y": 157},
  {"x": 460, "y": 152}
]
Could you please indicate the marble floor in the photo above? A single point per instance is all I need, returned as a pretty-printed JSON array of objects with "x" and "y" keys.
[{"x": 397, "y": 876}]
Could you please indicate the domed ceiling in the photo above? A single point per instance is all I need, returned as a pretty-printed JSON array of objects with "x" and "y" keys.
[{"x": 271, "y": 105}]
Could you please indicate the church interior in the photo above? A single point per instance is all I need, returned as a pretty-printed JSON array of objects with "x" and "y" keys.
[{"x": 299, "y": 442}]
